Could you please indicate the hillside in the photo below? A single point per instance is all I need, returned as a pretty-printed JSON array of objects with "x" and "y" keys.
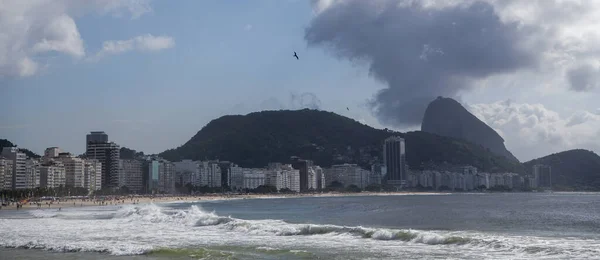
[
  {"x": 6, "y": 143},
  {"x": 258, "y": 138},
  {"x": 447, "y": 117},
  {"x": 579, "y": 169}
]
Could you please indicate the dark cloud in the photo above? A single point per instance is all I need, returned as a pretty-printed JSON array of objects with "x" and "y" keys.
[
  {"x": 583, "y": 78},
  {"x": 419, "y": 53}
]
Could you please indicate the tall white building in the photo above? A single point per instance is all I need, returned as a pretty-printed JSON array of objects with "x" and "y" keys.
[
  {"x": 187, "y": 171},
  {"x": 92, "y": 175},
  {"x": 19, "y": 174},
  {"x": 74, "y": 170},
  {"x": 316, "y": 178},
  {"x": 284, "y": 176},
  {"x": 347, "y": 174},
  {"x": 237, "y": 177},
  {"x": 210, "y": 174},
  {"x": 253, "y": 178},
  {"x": 6, "y": 172},
  {"x": 130, "y": 175},
  {"x": 32, "y": 173},
  {"x": 166, "y": 177},
  {"x": 52, "y": 175}
]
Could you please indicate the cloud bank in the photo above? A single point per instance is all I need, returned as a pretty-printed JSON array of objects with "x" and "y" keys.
[
  {"x": 30, "y": 30},
  {"x": 532, "y": 130},
  {"x": 144, "y": 43},
  {"x": 424, "y": 49}
]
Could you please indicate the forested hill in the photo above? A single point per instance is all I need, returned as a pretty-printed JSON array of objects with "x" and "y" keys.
[
  {"x": 256, "y": 139},
  {"x": 577, "y": 169}
]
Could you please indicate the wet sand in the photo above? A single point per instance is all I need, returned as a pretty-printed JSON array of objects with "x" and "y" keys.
[{"x": 69, "y": 203}]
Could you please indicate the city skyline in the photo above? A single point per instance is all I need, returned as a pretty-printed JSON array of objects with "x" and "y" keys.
[{"x": 101, "y": 169}]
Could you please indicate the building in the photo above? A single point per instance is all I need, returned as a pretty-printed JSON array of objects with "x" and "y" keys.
[
  {"x": 32, "y": 173},
  {"x": 210, "y": 174},
  {"x": 18, "y": 178},
  {"x": 378, "y": 172},
  {"x": 253, "y": 178},
  {"x": 316, "y": 178},
  {"x": 130, "y": 175},
  {"x": 166, "y": 177},
  {"x": 96, "y": 137},
  {"x": 6, "y": 172},
  {"x": 151, "y": 170},
  {"x": 394, "y": 160},
  {"x": 302, "y": 166},
  {"x": 283, "y": 176},
  {"x": 543, "y": 175},
  {"x": 52, "y": 175},
  {"x": 92, "y": 179},
  {"x": 236, "y": 175},
  {"x": 187, "y": 171},
  {"x": 347, "y": 174},
  {"x": 74, "y": 170},
  {"x": 52, "y": 152},
  {"x": 108, "y": 153},
  {"x": 225, "y": 166}
]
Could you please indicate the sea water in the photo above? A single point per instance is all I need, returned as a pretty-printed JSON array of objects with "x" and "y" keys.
[{"x": 450, "y": 226}]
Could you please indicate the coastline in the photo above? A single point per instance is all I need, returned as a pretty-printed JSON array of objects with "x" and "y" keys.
[{"x": 80, "y": 203}]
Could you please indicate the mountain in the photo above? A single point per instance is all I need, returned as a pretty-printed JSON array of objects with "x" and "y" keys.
[
  {"x": 578, "y": 169},
  {"x": 256, "y": 139},
  {"x": 6, "y": 143},
  {"x": 447, "y": 117}
]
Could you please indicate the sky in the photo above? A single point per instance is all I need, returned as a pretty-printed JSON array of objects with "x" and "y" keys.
[{"x": 151, "y": 74}]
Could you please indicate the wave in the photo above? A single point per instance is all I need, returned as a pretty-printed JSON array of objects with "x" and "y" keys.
[
  {"x": 155, "y": 214},
  {"x": 185, "y": 227},
  {"x": 195, "y": 216}
]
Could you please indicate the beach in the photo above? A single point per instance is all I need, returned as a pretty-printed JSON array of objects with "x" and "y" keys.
[{"x": 134, "y": 200}]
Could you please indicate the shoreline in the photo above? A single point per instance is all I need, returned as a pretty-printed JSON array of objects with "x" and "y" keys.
[{"x": 81, "y": 203}]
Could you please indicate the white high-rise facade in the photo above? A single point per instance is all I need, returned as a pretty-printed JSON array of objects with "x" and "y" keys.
[
  {"x": 6, "y": 172},
  {"x": 19, "y": 172},
  {"x": 74, "y": 170},
  {"x": 93, "y": 175},
  {"x": 52, "y": 175},
  {"x": 32, "y": 173}
]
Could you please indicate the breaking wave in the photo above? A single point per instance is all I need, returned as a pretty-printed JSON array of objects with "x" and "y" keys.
[{"x": 145, "y": 225}]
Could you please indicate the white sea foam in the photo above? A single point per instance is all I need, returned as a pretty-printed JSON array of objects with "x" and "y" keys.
[{"x": 132, "y": 230}]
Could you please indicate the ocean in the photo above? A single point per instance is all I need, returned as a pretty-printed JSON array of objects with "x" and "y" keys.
[{"x": 424, "y": 226}]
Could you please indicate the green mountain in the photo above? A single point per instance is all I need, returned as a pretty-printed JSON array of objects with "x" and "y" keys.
[
  {"x": 6, "y": 143},
  {"x": 447, "y": 117},
  {"x": 256, "y": 139},
  {"x": 577, "y": 169}
]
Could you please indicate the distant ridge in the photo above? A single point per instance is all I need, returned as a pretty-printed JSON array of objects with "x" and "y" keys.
[
  {"x": 577, "y": 169},
  {"x": 258, "y": 138},
  {"x": 447, "y": 117}
]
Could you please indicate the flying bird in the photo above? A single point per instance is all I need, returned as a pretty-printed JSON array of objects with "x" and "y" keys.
[
  {"x": 348, "y": 109},
  {"x": 296, "y": 55}
]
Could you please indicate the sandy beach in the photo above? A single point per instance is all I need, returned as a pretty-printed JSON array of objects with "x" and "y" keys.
[{"x": 129, "y": 200}]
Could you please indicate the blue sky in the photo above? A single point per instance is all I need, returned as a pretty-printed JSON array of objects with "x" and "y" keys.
[
  {"x": 188, "y": 62},
  {"x": 228, "y": 56}
]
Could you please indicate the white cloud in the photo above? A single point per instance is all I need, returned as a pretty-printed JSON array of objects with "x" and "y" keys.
[
  {"x": 29, "y": 29},
  {"x": 532, "y": 130},
  {"x": 145, "y": 43}
]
